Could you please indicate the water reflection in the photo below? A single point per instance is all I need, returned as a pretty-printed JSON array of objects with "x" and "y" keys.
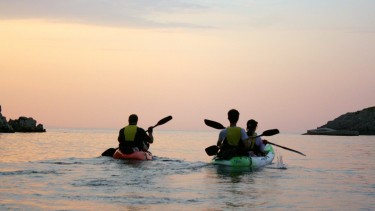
[
  {"x": 59, "y": 170},
  {"x": 233, "y": 173},
  {"x": 240, "y": 188}
]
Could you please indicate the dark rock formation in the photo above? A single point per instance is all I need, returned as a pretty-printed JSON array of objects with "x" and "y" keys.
[
  {"x": 4, "y": 126},
  {"x": 331, "y": 132},
  {"x": 362, "y": 122},
  {"x": 25, "y": 124},
  {"x": 22, "y": 124}
]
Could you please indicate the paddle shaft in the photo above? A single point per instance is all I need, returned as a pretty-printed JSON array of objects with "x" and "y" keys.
[{"x": 287, "y": 148}]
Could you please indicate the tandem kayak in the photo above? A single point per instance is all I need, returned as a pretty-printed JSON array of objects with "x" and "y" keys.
[
  {"x": 243, "y": 161},
  {"x": 138, "y": 155}
]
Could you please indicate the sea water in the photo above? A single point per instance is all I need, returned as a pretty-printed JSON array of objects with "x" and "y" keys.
[{"x": 62, "y": 170}]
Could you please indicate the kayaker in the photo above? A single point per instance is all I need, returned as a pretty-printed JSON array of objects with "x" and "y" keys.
[
  {"x": 257, "y": 144},
  {"x": 133, "y": 138},
  {"x": 233, "y": 140}
]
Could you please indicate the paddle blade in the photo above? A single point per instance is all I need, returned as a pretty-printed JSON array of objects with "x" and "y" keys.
[
  {"x": 213, "y": 124},
  {"x": 164, "y": 120},
  {"x": 270, "y": 132},
  {"x": 109, "y": 152},
  {"x": 212, "y": 150}
]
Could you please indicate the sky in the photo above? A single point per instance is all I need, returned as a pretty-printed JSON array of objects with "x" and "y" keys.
[{"x": 291, "y": 65}]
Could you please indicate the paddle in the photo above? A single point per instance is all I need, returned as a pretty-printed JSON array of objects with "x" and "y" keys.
[
  {"x": 212, "y": 150},
  {"x": 109, "y": 152},
  {"x": 162, "y": 122},
  {"x": 214, "y": 124},
  {"x": 287, "y": 148}
]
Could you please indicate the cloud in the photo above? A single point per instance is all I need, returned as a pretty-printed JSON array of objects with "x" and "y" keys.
[
  {"x": 137, "y": 13},
  {"x": 338, "y": 15}
]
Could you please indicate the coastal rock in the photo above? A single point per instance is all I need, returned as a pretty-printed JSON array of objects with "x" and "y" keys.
[
  {"x": 361, "y": 122},
  {"x": 25, "y": 124},
  {"x": 22, "y": 124},
  {"x": 331, "y": 132},
  {"x": 4, "y": 126}
]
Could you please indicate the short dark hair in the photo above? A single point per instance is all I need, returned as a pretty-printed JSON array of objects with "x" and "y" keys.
[
  {"x": 133, "y": 119},
  {"x": 252, "y": 124},
  {"x": 233, "y": 115}
]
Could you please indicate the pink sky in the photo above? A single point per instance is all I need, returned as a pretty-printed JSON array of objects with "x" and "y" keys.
[{"x": 288, "y": 70}]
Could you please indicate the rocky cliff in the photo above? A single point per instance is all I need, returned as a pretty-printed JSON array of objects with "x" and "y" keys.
[
  {"x": 4, "y": 126},
  {"x": 22, "y": 124},
  {"x": 362, "y": 122}
]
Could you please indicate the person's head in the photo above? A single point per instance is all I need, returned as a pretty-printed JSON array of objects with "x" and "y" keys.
[
  {"x": 133, "y": 119},
  {"x": 251, "y": 125},
  {"x": 233, "y": 116}
]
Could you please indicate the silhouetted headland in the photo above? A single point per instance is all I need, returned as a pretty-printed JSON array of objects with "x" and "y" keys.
[
  {"x": 349, "y": 124},
  {"x": 22, "y": 124}
]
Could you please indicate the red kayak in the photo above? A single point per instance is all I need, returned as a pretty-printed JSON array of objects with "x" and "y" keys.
[{"x": 138, "y": 155}]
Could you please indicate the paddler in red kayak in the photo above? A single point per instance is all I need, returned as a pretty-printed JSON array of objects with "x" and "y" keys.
[{"x": 132, "y": 138}]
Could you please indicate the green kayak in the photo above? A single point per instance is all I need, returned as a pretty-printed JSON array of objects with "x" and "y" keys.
[{"x": 253, "y": 162}]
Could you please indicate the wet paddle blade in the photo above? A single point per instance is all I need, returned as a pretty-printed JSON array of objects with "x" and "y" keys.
[
  {"x": 109, "y": 152},
  {"x": 213, "y": 124},
  {"x": 270, "y": 132},
  {"x": 212, "y": 150},
  {"x": 164, "y": 120}
]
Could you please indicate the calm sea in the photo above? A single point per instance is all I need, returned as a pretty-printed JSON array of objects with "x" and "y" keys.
[{"x": 62, "y": 170}]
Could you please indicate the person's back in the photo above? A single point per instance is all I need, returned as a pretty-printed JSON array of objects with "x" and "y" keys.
[
  {"x": 133, "y": 138},
  {"x": 232, "y": 140}
]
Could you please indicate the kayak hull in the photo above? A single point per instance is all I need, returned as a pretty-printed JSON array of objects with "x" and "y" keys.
[
  {"x": 138, "y": 155},
  {"x": 243, "y": 161}
]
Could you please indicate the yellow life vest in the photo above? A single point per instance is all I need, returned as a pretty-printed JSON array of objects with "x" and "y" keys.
[
  {"x": 252, "y": 140},
  {"x": 233, "y": 135},
  {"x": 129, "y": 132}
]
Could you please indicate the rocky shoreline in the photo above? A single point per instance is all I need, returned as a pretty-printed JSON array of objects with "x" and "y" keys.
[
  {"x": 331, "y": 132},
  {"x": 350, "y": 124},
  {"x": 22, "y": 124}
]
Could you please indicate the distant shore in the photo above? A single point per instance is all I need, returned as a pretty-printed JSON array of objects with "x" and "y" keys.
[
  {"x": 350, "y": 124},
  {"x": 22, "y": 124}
]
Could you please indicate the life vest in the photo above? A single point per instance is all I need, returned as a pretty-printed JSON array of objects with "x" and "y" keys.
[
  {"x": 252, "y": 141},
  {"x": 233, "y": 136},
  {"x": 232, "y": 145},
  {"x": 129, "y": 132},
  {"x": 253, "y": 147}
]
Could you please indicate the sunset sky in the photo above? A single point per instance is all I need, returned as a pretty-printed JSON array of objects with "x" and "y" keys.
[{"x": 291, "y": 65}]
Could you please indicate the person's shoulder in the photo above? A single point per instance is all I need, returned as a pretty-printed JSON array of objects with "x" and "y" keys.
[
  {"x": 141, "y": 129},
  {"x": 223, "y": 131},
  {"x": 243, "y": 130}
]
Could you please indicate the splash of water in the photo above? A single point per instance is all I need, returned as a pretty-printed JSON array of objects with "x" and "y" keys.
[{"x": 279, "y": 162}]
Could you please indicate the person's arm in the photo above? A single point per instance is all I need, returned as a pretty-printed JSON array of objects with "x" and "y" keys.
[
  {"x": 260, "y": 144},
  {"x": 151, "y": 137},
  {"x": 144, "y": 137},
  {"x": 245, "y": 139},
  {"x": 221, "y": 138},
  {"x": 121, "y": 136}
]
